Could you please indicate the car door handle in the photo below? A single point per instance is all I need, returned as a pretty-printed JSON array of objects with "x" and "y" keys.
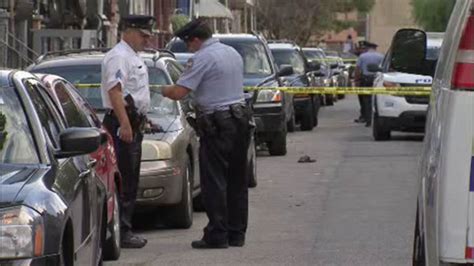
[
  {"x": 92, "y": 163},
  {"x": 85, "y": 173}
]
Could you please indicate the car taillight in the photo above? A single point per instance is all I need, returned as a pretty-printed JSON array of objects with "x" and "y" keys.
[{"x": 463, "y": 74}]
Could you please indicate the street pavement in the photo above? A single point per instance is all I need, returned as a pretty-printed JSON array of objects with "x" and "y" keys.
[{"x": 354, "y": 206}]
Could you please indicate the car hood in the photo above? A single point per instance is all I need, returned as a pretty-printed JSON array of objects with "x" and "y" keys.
[
  {"x": 169, "y": 123},
  {"x": 257, "y": 81},
  {"x": 405, "y": 78},
  {"x": 12, "y": 180}
]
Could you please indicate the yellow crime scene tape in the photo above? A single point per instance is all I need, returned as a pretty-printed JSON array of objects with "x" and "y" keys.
[{"x": 396, "y": 91}]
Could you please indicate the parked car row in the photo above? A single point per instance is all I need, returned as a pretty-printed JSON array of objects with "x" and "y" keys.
[
  {"x": 275, "y": 64},
  {"x": 52, "y": 142}
]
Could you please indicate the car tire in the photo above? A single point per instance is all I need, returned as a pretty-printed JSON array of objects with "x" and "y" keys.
[
  {"x": 277, "y": 146},
  {"x": 112, "y": 245},
  {"x": 307, "y": 121},
  {"x": 329, "y": 100},
  {"x": 291, "y": 125},
  {"x": 418, "y": 257},
  {"x": 181, "y": 215},
  {"x": 252, "y": 167},
  {"x": 380, "y": 131}
]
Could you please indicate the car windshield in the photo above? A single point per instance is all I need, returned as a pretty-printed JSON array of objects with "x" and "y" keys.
[
  {"x": 289, "y": 57},
  {"x": 16, "y": 141},
  {"x": 313, "y": 55},
  {"x": 87, "y": 79},
  {"x": 256, "y": 62},
  {"x": 178, "y": 46}
]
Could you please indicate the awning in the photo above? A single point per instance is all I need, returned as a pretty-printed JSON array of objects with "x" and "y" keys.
[{"x": 212, "y": 9}]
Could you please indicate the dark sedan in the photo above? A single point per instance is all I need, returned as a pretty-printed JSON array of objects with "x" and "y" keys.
[{"x": 52, "y": 205}]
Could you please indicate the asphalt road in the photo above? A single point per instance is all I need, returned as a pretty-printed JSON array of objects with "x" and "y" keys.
[{"x": 354, "y": 206}]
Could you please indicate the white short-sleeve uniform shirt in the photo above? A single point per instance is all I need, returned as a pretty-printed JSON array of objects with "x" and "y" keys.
[{"x": 123, "y": 65}]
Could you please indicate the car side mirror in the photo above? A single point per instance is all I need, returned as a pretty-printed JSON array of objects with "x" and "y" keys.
[
  {"x": 285, "y": 70},
  {"x": 314, "y": 66},
  {"x": 374, "y": 68},
  {"x": 78, "y": 141},
  {"x": 334, "y": 65}
]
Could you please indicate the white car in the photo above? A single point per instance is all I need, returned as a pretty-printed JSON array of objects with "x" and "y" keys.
[
  {"x": 444, "y": 231},
  {"x": 404, "y": 113}
]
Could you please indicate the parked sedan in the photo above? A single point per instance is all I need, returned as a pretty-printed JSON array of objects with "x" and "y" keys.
[
  {"x": 76, "y": 112},
  {"x": 169, "y": 175},
  {"x": 52, "y": 205}
]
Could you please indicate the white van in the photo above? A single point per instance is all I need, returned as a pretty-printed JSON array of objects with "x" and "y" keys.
[
  {"x": 444, "y": 231},
  {"x": 404, "y": 113}
]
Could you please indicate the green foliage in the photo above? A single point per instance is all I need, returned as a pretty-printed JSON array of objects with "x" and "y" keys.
[
  {"x": 432, "y": 15},
  {"x": 178, "y": 21},
  {"x": 299, "y": 20}
]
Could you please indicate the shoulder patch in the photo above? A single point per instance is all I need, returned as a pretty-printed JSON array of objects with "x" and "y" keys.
[
  {"x": 190, "y": 63},
  {"x": 118, "y": 74}
]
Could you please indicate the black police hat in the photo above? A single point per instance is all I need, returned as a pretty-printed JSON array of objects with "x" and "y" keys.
[
  {"x": 142, "y": 22},
  {"x": 371, "y": 45},
  {"x": 185, "y": 32}
]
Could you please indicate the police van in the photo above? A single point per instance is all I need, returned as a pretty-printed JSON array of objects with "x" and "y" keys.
[
  {"x": 444, "y": 230},
  {"x": 404, "y": 113}
]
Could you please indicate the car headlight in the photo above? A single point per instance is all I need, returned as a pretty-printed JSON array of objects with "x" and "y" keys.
[
  {"x": 153, "y": 150},
  {"x": 265, "y": 96},
  {"x": 21, "y": 233}
]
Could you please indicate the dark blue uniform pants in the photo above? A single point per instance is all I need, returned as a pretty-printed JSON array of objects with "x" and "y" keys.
[
  {"x": 224, "y": 180},
  {"x": 128, "y": 160}
]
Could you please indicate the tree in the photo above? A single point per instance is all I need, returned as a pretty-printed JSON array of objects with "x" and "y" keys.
[
  {"x": 300, "y": 20},
  {"x": 178, "y": 21},
  {"x": 432, "y": 15}
]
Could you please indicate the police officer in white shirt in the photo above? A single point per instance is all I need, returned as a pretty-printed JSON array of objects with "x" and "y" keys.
[
  {"x": 214, "y": 75},
  {"x": 126, "y": 95}
]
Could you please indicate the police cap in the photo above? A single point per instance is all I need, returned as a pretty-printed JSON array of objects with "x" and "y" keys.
[
  {"x": 371, "y": 45},
  {"x": 189, "y": 30},
  {"x": 142, "y": 22}
]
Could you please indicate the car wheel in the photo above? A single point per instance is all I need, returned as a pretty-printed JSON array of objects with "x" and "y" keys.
[
  {"x": 252, "y": 167},
  {"x": 112, "y": 244},
  {"x": 290, "y": 125},
  {"x": 277, "y": 146},
  {"x": 307, "y": 121},
  {"x": 181, "y": 215},
  {"x": 418, "y": 245},
  {"x": 329, "y": 100},
  {"x": 380, "y": 131}
]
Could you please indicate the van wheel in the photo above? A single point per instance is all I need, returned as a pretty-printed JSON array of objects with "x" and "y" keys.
[
  {"x": 418, "y": 245},
  {"x": 291, "y": 124},
  {"x": 112, "y": 245},
  {"x": 181, "y": 215},
  {"x": 307, "y": 121},
  {"x": 380, "y": 131},
  {"x": 277, "y": 146},
  {"x": 252, "y": 167}
]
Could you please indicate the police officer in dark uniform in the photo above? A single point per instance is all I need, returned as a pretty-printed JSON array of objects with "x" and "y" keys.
[
  {"x": 214, "y": 75},
  {"x": 365, "y": 78},
  {"x": 126, "y": 96}
]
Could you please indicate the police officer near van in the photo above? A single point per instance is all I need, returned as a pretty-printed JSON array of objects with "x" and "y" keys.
[
  {"x": 365, "y": 78},
  {"x": 214, "y": 76},
  {"x": 126, "y": 96}
]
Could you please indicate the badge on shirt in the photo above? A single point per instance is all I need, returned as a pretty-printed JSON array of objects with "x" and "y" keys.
[{"x": 190, "y": 63}]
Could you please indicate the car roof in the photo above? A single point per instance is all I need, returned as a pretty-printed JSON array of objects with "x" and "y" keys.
[
  {"x": 312, "y": 49},
  {"x": 91, "y": 58},
  {"x": 235, "y": 36},
  {"x": 282, "y": 45}
]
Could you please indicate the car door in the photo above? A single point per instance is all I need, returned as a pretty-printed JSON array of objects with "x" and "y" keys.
[
  {"x": 74, "y": 116},
  {"x": 74, "y": 175}
]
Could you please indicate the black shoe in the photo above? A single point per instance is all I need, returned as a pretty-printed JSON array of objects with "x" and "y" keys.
[
  {"x": 360, "y": 120},
  {"x": 130, "y": 240},
  {"x": 201, "y": 244},
  {"x": 237, "y": 243}
]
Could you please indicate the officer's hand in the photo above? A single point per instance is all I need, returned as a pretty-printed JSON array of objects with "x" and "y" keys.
[{"x": 126, "y": 134}]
